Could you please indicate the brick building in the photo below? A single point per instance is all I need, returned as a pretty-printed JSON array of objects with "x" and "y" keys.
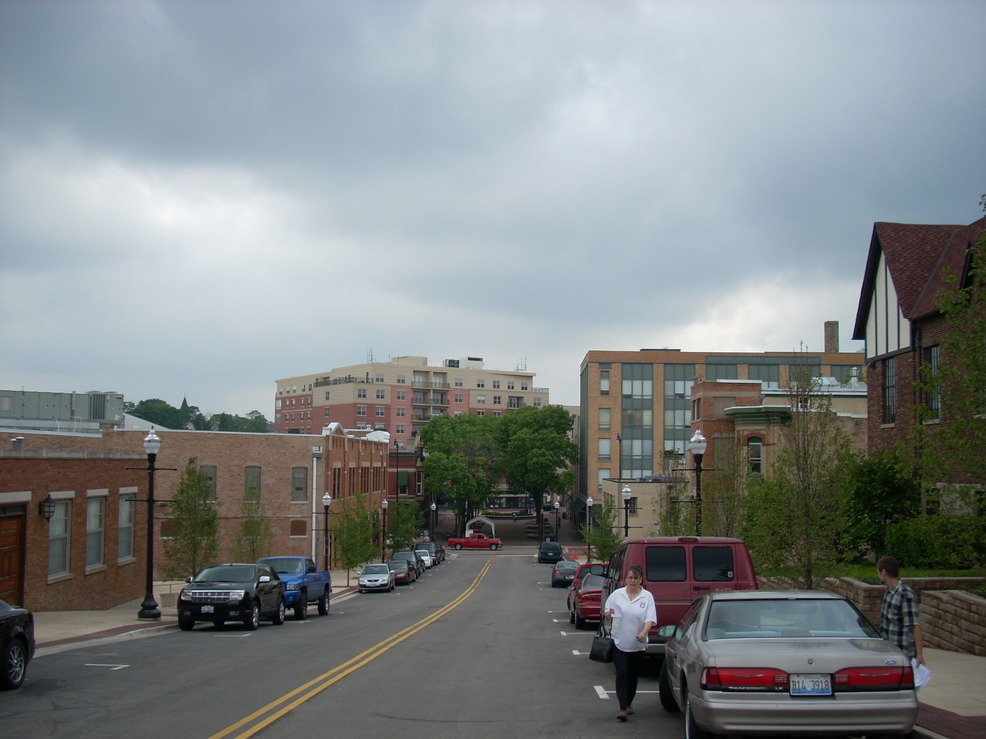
[
  {"x": 899, "y": 320},
  {"x": 48, "y": 565}
]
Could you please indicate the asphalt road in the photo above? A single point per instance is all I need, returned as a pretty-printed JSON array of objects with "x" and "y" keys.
[{"x": 480, "y": 647}]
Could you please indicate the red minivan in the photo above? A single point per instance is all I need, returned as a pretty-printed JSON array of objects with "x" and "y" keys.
[{"x": 679, "y": 569}]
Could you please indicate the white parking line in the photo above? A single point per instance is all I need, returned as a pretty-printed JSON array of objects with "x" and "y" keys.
[
  {"x": 604, "y": 694},
  {"x": 577, "y": 633}
]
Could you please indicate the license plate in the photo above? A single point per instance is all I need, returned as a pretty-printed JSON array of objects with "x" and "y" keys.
[
  {"x": 207, "y": 609},
  {"x": 810, "y": 684}
]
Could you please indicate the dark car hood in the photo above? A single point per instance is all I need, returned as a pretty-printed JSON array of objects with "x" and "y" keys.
[{"x": 218, "y": 584}]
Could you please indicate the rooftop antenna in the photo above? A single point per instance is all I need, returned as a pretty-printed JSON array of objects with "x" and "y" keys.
[
  {"x": 521, "y": 365},
  {"x": 369, "y": 355}
]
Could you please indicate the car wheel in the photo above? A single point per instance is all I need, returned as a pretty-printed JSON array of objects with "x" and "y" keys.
[
  {"x": 692, "y": 729},
  {"x": 664, "y": 689},
  {"x": 493, "y": 547},
  {"x": 323, "y": 604},
  {"x": 579, "y": 621},
  {"x": 279, "y": 613},
  {"x": 186, "y": 624},
  {"x": 458, "y": 546},
  {"x": 14, "y": 665},
  {"x": 252, "y": 620},
  {"x": 571, "y": 617},
  {"x": 301, "y": 607}
]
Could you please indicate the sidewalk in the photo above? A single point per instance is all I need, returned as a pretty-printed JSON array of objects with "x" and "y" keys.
[{"x": 952, "y": 705}]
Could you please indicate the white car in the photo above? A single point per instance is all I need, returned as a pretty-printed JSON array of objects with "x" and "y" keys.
[
  {"x": 376, "y": 577},
  {"x": 426, "y": 556}
]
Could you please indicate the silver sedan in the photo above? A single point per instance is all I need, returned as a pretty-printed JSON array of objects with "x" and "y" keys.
[{"x": 784, "y": 662}]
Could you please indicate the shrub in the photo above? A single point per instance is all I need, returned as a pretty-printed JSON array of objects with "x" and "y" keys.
[{"x": 938, "y": 541}]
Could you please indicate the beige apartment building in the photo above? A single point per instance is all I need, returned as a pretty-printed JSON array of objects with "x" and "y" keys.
[
  {"x": 637, "y": 406},
  {"x": 400, "y": 396}
]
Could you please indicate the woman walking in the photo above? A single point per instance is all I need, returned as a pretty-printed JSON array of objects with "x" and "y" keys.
[{"x": 633, "y": 613}]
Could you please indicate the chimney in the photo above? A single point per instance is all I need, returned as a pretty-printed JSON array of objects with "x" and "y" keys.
[{"x": 831, "y": 337}]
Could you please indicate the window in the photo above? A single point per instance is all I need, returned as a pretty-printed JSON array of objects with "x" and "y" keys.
[
  {"x": 95, "y": 526},
  {"x": 361, "y": 392},
  {"x": 299, "y": 484},
  {"x": 379, "y": 377},
  {"x": 754, "y": 454},
  {"x": 361, "y": 410},
  {"x": 458, "y": 382},
  {"x": 208, "y": 471},
  {"x": 638, "y": 381},
  {"x": 381, "y": 394},
  {"x": 496, "y": 384},
  {"x": 402, "y": 395},
  {"x": 125, "y": 528},
  {"x": 605, "y": 419},
  {"x": 601, "y": 475},
  {"x": 510, "y": 384},
  {"x": 631, "y": 505},
  {"x": 251, "y": 483},
  {"x": 890, "y": 390},
  {"x": 496, "y": 400},
  {"x": 381, "y": 411},
  {"x": 480, "y": 399},
  {"x": 401, "y": 379},
  {"x": 713, "y": 564},
  {"x": 932, "y": 358},
  {"x": 326, "y": 394},
  {"x": 59, "y": 530},
  {"x": 665, "y": 564},
  {"x": 400, "y": 428},
  {"x": 768, "y": 374},
  {"x": 605, "y": 449},
  {"x": 401, "y": 412},
  {"x": 523, "y": 386},
  {"x": 481, "y": 382}
]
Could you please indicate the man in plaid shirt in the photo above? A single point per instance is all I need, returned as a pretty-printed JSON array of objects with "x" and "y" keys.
[{"x": 900, "y": 621}]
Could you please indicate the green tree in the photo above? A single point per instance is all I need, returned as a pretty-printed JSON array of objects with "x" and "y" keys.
[
  {"x": 254, "y": 539},
  {"x": 404, "y": 522},
  {"x": 157, "y": 412},
  {"x": 461, "y": 462},
  {"x": 193, "y": 540},
  {"x": 793, "y": 517},
  {"x": 355, "y": 535},
  {"x": 602, "y": 537},
  {"x": 536, "y": 453},
  {"x": 877, "y": 495}
]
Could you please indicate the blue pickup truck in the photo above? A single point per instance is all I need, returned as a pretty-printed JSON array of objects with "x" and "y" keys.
[{"x": 303, "y": 584}]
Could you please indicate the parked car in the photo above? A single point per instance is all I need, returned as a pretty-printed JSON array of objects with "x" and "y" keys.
[
  {"x": 404, "y": 572},
  {"x": 437, "y": 550},
  {"x": 586, "y": 568},
  {"x": 376, "y": 577},
  {"x": 246, "y": 592},
  {"x": 17, "y": 642},
  {"x": 476, "y": 541},
  {"x": 303, "y": 583},
  {"x": 419, "y": 563},
  {"x": 587, "y": 601},
  {"x": 563, "y": 573},
  {"x": 426, "y": 556},
  {"x": 550, "y": 552},
  {"x": 784, "y": 662},
  {"x": 677, "y": 569}
]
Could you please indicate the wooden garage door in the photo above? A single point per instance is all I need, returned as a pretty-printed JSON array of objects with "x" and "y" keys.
[{"x": 11, "y": 558}]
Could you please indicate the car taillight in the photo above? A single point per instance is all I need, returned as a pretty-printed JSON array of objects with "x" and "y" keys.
[
  {"x": 747, "y": 679},
  {"x": 874, "y": 678}
]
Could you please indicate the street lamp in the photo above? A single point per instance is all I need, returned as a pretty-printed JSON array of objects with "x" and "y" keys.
[
  {"x": 326, "y": 502},
  {"x": 626, "y": 493},
  {"x": 383, "y": 544},
  {"x": 148, "y": 608},
  {"x": 557, "y": 506},
  {"x": 434, "y": 521},
  {"x": 698, "y": 445},
  {"x": 588, "y": 515}
]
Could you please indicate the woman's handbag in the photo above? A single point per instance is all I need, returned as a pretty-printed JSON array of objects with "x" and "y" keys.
[{"x": 602, "y": 646}]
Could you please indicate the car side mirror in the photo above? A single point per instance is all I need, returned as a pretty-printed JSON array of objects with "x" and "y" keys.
[
  {"x": 666, "y": 631},
  {"x": 188, "y": 579}
]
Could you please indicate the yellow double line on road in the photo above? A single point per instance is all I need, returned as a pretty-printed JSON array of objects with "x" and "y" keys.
[{"x": 275, "y": 710}]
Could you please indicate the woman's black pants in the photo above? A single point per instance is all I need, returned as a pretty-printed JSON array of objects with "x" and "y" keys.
[{"x": 627, "y": 666}]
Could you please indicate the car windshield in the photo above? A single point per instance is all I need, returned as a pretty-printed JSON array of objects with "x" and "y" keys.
[
  {"x": 788, "y": 618},
  {"x": 566, "y": 564},
  {"x": 423, "y": 552},
  {"x": 401, "y": 564},
  {"x": 550, "y": 547},
  {"x": 226, "y": 573},
  {"x": 376, "y": 570},
  {"x": 287, "y": 565}
]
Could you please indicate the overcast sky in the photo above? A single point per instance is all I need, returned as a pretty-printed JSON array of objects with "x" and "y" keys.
[{"x": 199, "y": 198}]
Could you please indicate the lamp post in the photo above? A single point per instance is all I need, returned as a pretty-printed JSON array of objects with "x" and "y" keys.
[
  {"x": 434, "y": 520},
  {"x": 397, "y": 466},
  {"x": 588, "y": 515},
  {"x": 148, "y": 608},
  {"x": 557, "y": 506},
  {"x": 326, "y": 502},
  {"x": 698, "y": 445},
  {"x": 626, "y": 493},
  {"x": 383, "y": 544}
]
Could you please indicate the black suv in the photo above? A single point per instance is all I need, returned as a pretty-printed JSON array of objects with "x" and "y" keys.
[
  {"x": 550, "y": 552},
  {"x": 232, "y": 592}
]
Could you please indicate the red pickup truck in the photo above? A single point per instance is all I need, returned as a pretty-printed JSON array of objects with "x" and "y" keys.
[{"x": 476, "y": 541}]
